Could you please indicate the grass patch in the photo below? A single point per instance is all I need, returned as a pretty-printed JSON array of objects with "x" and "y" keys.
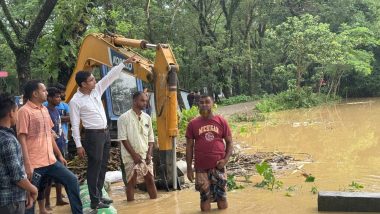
[
  {"x": 310, "y": 178},
  {"x": 291, "y": 188},
  {"x": 237, "y": 99},
  {"x": 354, "y": 186},
  {"x": 231, "y": 183},
  {"x": 248, "y": 117},
  {"x": 314, "y": 190},
  {"x": 292, "y": 99},
  {"x": 186, "y": 116}
]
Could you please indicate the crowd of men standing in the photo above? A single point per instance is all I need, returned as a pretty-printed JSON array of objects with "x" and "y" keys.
[{"x": 33, "y": 145}]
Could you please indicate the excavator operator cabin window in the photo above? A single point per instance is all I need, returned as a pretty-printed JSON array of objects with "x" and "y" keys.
[{"x": 121, "y": 93}]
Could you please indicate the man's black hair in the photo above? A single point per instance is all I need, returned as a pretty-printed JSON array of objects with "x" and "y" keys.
[
  {"x": 203, "y": 96},
  {"x": 30, "y": 87},
  {"x": 7, "y": 104},
  {"x": 137, "y": 94},
  {"x": 60, "y": 87},
  {"x": 81, "y": 77},
  {"x": 52, "y": 91}
]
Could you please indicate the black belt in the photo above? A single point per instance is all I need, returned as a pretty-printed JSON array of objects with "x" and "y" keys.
[{"x": 97, "y": 130}]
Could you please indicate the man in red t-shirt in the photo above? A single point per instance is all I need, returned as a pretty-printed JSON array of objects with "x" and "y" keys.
[{"x": 209, "y": 141}]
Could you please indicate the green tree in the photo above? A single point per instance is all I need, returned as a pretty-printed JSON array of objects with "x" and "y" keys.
[
  {"x": 302, "y": 41},
  {"x": 21, "y": 33},
  {"x": 355, "y": 44}
]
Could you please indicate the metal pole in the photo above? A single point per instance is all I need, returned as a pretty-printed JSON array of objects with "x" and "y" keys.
[
  {"x": 151, "y": 46},
  {"x": 174, "y": 164}
]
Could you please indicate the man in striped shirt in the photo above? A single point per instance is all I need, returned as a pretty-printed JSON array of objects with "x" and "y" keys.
[{"x": 13, "y": 180}]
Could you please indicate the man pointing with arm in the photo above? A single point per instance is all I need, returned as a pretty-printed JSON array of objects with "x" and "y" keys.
[{"x": 86, "y": 106}]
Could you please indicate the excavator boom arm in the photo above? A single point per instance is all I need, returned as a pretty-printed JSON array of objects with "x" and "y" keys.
[{"x": 95, "y": 51}]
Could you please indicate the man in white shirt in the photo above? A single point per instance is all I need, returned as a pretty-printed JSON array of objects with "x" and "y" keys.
[
  {"x": 136, "y": 134},
  {"x": 86, "y": 105}
]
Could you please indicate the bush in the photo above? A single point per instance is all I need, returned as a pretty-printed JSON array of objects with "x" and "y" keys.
[
  {"x": 154, "y": 124},
  {"x": 291, "y": 99},
  {"x": 186, "y": 116},
  {"x": 269, "y": 180},
  {"x": 248, "y": 117},
  {"x": 238, "y": 99},
  {"x": 231, "y": 183}
]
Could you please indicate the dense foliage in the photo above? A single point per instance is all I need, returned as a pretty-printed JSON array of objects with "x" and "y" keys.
[
  {"x": 250, "y": 47},
  {"x": 293, "y": 97},
  {"x": 186, "y": 116},
  {"x": 290, "y": 99},
  {"x": 238, "y": 99}
]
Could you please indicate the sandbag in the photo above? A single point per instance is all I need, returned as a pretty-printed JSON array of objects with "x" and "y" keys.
[{"x": 86, "y": 202}]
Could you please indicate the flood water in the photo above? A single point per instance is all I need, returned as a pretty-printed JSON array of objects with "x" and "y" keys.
[{"x": 343, "y": 141}]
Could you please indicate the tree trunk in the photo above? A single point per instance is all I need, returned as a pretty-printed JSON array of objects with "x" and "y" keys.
[
  {"x": 64, "y": 72},
  {"x": 332, "y": 86},
  {"x": 259, "y": 47},
  {"x": 149, "y": 33},
  {"x": 250, "y": 82},
  {"x": 337, "y": 83},
  {"x": 110, "y": 22},
  {"x": 236, "y": 78},
  {"x": 229, "y": 9},
  {"x": 299, "y": 76},
  {"x": 22, "y": 46},
  {"x": 202, "y": 8},
  {"x": 229, "y": 79},
  {"x": 65, "y": 69},
  {"x": 23, "y": 69},
  {"x": 250, "y": 65},
  {"x": 226, "y": 91}
]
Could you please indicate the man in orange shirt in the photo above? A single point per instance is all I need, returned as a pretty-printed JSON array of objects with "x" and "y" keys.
[{"x": 34, "y": 129}]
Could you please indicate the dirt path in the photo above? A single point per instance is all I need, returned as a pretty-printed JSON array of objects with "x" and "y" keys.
[{"x": 227, "y": 111}]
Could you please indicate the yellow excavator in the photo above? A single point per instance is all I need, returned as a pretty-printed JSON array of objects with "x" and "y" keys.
[{"x": 99, "y": 52}]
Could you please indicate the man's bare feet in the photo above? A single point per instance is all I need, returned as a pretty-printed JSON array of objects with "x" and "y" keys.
[
  {"x": 48, "y": 208},
  {"x": 61, "y": 203},
  {"x": 45, "y": 211}
]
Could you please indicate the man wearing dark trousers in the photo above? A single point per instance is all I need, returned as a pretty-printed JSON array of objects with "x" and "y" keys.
[
  {"x": 86, "y": 106},
  {"x": 54, "y": 99}
]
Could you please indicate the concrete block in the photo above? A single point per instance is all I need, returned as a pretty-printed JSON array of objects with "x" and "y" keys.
[{"x": 349, "y": 201}]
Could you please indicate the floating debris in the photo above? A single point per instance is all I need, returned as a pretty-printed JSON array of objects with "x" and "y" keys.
[{"x": 239, "y": 164}]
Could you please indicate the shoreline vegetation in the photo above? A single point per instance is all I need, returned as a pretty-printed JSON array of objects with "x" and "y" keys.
[{"x": 292, "y": 98}]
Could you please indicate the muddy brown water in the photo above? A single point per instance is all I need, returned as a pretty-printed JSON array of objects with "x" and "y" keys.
[{"x": 343, "y": 141}]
